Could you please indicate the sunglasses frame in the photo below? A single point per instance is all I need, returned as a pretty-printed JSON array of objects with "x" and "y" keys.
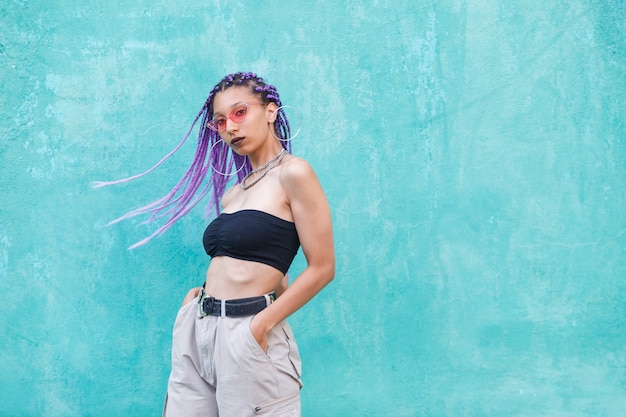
[{"x": 213, "y": 123}]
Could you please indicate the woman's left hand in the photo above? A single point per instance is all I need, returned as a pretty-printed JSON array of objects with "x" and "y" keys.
[{"x": 259, "y": 333}]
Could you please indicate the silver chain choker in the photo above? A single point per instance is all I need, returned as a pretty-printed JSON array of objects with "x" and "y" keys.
[{"x": 266, "y": 167}]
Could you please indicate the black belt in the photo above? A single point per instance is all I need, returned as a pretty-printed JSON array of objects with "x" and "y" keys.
[{"x": 210, "y": 306}]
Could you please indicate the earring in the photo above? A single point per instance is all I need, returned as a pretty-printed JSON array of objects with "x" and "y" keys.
[
  {"x": 284, "y": 118},
  {"x": 219, "y": 172}
]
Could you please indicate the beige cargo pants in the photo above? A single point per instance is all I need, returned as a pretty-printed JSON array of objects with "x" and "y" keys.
[{"x": 219, "y": 369}]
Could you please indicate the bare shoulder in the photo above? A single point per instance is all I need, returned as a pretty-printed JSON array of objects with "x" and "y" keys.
[
  {"x": 302, "y": 187},
  {"x": 295, "y": 171}
]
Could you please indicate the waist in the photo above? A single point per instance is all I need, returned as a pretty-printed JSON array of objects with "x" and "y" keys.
[
  {"x": 227, "y": 278},
  {"x": 211, "y": 306}
]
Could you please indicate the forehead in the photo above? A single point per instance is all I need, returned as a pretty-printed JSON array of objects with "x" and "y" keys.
[{"x": 225, "y": 100}]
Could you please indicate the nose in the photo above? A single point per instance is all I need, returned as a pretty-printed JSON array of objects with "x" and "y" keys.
[{"x": 231, "y": 126}]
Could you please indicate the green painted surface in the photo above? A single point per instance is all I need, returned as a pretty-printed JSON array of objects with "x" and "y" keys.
[{"x": 473, "y": 154}]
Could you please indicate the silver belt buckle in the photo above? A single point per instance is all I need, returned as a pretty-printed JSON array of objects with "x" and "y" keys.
[{"x": 203, "y": 300}]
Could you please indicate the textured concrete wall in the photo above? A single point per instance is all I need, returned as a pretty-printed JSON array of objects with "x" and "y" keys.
[{"x": 473, "y": 154}]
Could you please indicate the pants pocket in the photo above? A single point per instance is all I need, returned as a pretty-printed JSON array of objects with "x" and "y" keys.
[
  {"x": 282, "y": 354},
  {"x": 293, "y": 353},
  {"x": 253, "y": 343},
  {"x": 288, "y": 406}
]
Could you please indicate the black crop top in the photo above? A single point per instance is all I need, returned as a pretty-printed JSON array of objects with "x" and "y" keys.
[{"x": 253, "y": 235}]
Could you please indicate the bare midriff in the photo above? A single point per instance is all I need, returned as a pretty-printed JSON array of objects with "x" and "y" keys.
[{"x": 230, "y": 278}]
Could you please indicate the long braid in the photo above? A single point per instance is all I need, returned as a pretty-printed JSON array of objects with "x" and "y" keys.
[{"x": 189, "y": 191}]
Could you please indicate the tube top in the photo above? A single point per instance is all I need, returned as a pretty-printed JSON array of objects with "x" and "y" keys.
[{"x": 253, "y": 235}]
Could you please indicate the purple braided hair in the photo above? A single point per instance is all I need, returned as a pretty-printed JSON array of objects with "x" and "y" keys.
[{"x": 190, "y": 189}]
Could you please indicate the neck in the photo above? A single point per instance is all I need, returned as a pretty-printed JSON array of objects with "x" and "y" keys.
[
  {"x": 261, "y": 171},
  {"x": 263, "y": 157}
]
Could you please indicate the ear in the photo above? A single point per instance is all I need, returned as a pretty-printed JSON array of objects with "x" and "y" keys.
[{"x": 271, "y": 112}]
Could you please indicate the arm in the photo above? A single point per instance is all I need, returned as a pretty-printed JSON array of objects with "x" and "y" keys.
[
  {"x": 312, "y": 217},
  {"x": 282, "y": 285}
]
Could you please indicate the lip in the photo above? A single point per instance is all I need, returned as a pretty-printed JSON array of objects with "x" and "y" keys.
[{"x": 236, "y": 141}]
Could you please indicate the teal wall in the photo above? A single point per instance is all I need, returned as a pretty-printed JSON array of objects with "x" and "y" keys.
[{"x": 473, "y": 153}]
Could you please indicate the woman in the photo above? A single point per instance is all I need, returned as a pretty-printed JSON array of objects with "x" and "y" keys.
[{"x": 233, "y": 354}]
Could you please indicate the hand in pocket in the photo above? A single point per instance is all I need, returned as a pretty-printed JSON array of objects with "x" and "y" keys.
[{"x": 259, "y": 334}]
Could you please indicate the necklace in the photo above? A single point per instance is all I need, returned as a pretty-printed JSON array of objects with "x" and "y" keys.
[{"x": 266, "y": 167}]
